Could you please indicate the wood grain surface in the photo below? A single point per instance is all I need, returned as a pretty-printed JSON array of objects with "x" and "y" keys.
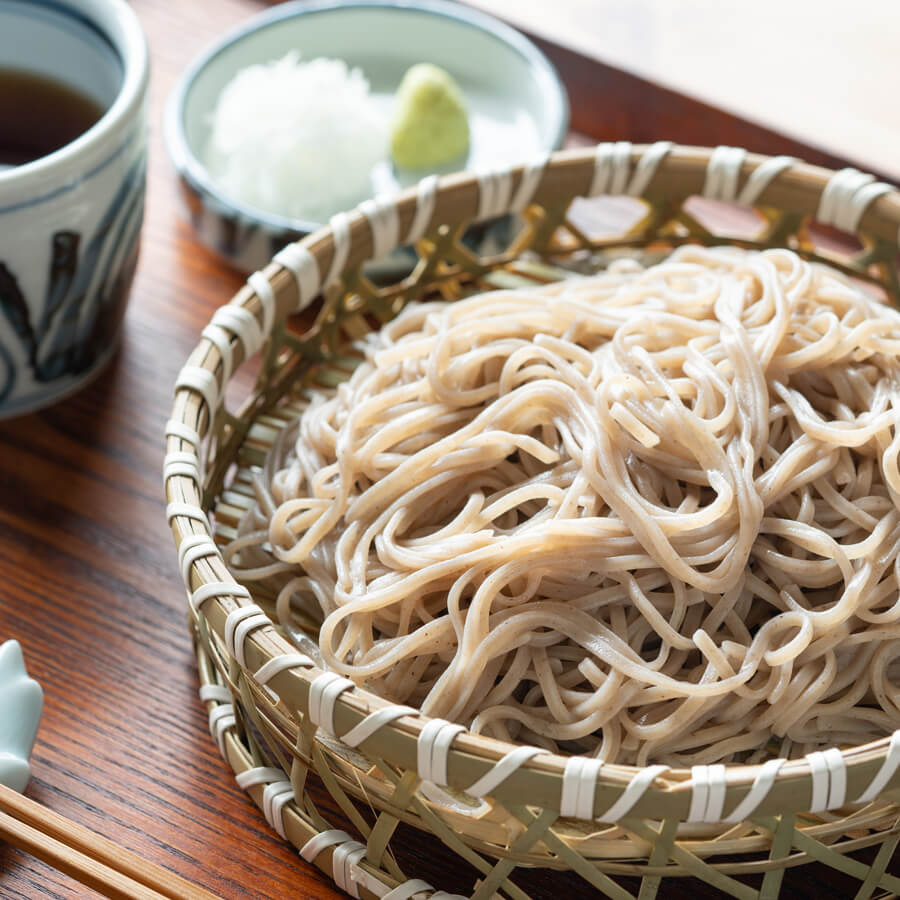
[{"x": 88, "y": 576}]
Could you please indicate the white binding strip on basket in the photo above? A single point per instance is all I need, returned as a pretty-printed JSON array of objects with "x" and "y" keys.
[
  {"x": 262, "y": 287},
  {"x": 885, "y": 773},
  {"x": 258, "y": 775},
  {"x": 762, "y": 176},
  {"x": 215, "y": 692},
  {"x": 381, "y": 213},
  {"x": 217, "y": 589},
  {"x": 241, "y": 323},
  {"x": 532, "y": 173},
  {"x": 275, "y": 797},
  {"x": 612, "y": 168},
  {"x": 348, "y": 874},
  {"x": 372, "y": 722},
  {"x": 221, "y": 340},
  {"x": 277, "y": 794},
  {"x": 221, "y": 719},
  {"x": 494, "y": 189},
  {"x": 186, "y": 511},
  {"x": 762, "y": 784},
  {"x": 299, "y": 260},
  {"x": 181, "y": 462},
  {"x": 502, "y": 769},
  {"x": 408, "y": 889},
  {"x": 192, "y": 548},
  {"x": 177, "y": 429},
  {"x": 345, "y": 856},
  {"x": 722, "y": 173},
  {"x": 637, "y": 787},
  {"x": 829, "y": 779},
  {"x": 203, "y": 382},
  {"x": 238, "y": 624},
  {"x": 578, "y": 785},
  {"x": 340, "y": 233},
  {"x": 323, "y": 693},
  {"x": 433, "y": 748},
  {"x": 268, "y": 670},
  {"x": 646, "y": 168},
  {"x": 707, "y": 793},
  {"x": 846, "y": 197},
  {"x": 425, "y": 200}
]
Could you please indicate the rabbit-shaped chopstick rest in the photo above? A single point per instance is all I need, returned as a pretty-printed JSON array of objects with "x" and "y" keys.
[{"x": 21, "y": 701}]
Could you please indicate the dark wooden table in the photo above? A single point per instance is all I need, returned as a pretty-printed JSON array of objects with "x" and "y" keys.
[{"x": 88, "y": 577}]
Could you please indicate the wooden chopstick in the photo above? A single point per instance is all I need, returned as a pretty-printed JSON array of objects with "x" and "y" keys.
[{"x": 86, "y": 856}]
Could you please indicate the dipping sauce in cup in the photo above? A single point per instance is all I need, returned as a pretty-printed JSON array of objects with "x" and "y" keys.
[{"x": 73, "y": 150}]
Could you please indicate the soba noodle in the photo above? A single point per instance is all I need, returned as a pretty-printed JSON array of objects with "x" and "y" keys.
[{"x": 652, "y": 515}]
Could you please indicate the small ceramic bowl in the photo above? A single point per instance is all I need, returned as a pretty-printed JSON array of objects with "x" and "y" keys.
[
  {"x": 517, "y": 104},
  {"x": 70, "y": 220}
]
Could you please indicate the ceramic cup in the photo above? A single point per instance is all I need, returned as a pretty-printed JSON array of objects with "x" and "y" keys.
[{"x": 70, "y": 220}]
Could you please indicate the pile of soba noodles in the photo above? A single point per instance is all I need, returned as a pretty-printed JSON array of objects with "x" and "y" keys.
[{"x": 650, "y": 516}]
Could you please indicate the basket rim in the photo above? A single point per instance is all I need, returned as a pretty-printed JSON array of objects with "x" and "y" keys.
[{"x": 284, "y": 286}]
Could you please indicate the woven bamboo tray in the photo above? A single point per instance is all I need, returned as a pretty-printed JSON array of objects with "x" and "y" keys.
[{"x": 289, "y": 730}]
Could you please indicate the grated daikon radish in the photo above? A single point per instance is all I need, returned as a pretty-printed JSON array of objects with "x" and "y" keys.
[{"x": 299, "y": 139}]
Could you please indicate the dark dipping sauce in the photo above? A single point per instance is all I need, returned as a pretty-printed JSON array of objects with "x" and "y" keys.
[{"x": 38, "y": 115}]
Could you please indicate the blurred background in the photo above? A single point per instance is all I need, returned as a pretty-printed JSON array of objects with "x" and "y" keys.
[{"x": 823, "y": 72}]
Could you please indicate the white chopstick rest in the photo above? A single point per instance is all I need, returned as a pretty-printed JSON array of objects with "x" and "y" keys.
[{"x": 21, "y": 703}]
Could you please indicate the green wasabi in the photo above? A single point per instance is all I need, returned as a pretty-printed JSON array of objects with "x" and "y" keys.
[{"x": 431, "y": 126}]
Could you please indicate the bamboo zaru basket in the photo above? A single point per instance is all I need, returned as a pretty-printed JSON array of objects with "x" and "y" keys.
[{"x": 290, "y": 730}]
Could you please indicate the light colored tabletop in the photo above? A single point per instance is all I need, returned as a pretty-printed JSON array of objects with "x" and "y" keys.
[{"x": 824, "y": 72}]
